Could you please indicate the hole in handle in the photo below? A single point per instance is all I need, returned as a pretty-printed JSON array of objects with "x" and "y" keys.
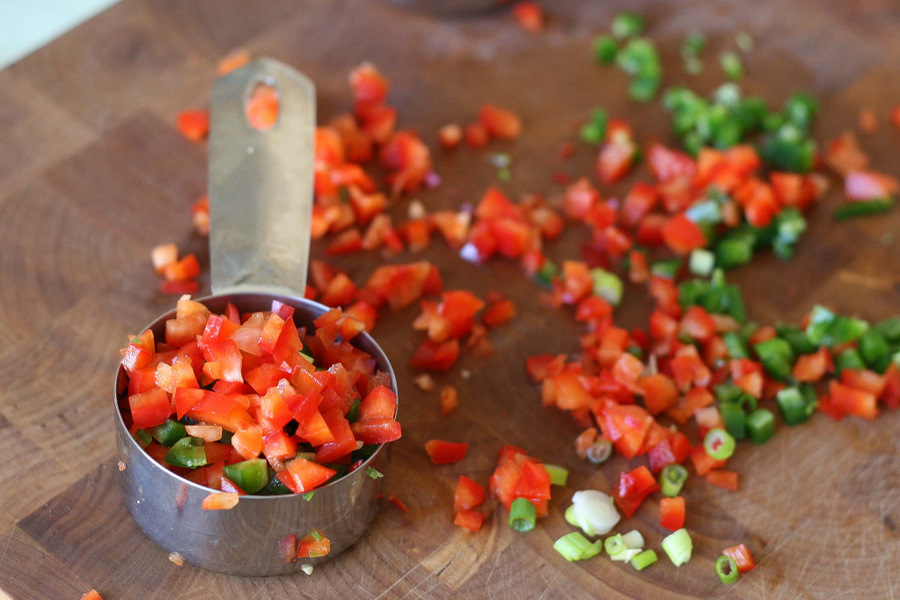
[{"x": 262, "y": 106}]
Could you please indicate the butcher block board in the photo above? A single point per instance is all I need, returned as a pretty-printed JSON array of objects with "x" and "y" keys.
[{"x": 93, "y": 174}]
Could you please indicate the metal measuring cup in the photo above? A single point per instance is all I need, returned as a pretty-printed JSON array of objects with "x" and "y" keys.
[{"x": 261, "y": 191}]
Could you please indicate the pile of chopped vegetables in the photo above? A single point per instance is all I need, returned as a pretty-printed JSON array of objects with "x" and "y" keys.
[{"x": 683, "y": 392}]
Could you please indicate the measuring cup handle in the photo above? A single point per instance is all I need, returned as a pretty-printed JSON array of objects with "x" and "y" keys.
[{"x": 261, "y": 182}]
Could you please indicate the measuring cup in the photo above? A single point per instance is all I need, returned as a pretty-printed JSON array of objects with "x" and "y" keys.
[{"x": 261, "y": 191}]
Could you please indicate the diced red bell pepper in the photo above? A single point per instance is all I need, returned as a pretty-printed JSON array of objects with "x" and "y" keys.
[
  {"x": 660, "y": 393},
  {"x": 703, "y": 462},
  {"x": 633, "y": 487},
  {"x": 864, "y": 379},
  {"x": 469, "y": 494},
  {"x": 534, "y": 482},
  {"x": 344, "y": 442},
  {"x": 626, "y": 426},
  {"x": 741, "y": 556},
  {"x": 724, "y": 479},
  {"x": 682, "y": 235},
  {"x": 377, "y": 431},
  {"x": 193, "y": 124},
  {"x": 150, "y": 408},
  {"x": 852, "y": 401},
  {"x": 301, "y": 475},
  {"x": 248, "y": 442},
  {"x": 432, "y": 356},
  {"x": 500, "y": 123},
  {"x": 313, "y": 545},
  {"x": 671, "y": 513},
  {"x": 470, "y": 519},
  {"x": 442, "y": 452}
]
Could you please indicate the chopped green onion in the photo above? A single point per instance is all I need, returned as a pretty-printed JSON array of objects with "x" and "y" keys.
[
  {"x": 558, "y": 475},
  {"x": 874, "y": 349},
  {"x": 718, "y": 444},
  {"x": 846, "y": 329},
  {"x": 890, "y": 329},
  {"x": 702, "y": 262},
  {"x": 777, "y": 357},
  {"x": 574, "y": 546},
  {"x": 666, "y": 268},
  {"x": 607, "y": 285},
  {"x": 605, "y": 49},
  {"x": 737, "y": 347},
  {"x": 733, "y": 252},
  {"x": 627, "y": 24},
  {"x": 600, "y": 451},
  {"x": 314, "y": 534},
  {"x": 639, "y": 57},
  {"x": 614, "y": 545},
  {"x": 678, "y": 547},
  {"x": 761, "y": 425},
  {"x": 820, "y": 320},
  {"x": 672, "y": 479},
  {"x": 594, "y": 512},
  {"x": 633, "y": 539},
  {"x": 504, "y": 174},
  {"x": 308, "y": 495},
  {"x": 572, "y": 516},
  {"x": 793, "y": 406},
  {"x": 593, "y": 133},
  {"x": 848, "y": 359},
  {"x": 643, "y": 88},
  {"x": 547, "y": 272},
  {"x": 522, "y": 515},
  {"x": 735, "y": 419},
  {"x": 308, "y": 357},
  {"x": 731, "y": 65},
  {"x": 693, "y": 44},
  {"x": 374, "y": 473},
  {"x": 744, "y": 41},
  {"x": 692, "y": 65},
  {"x": 644, "y": 559},
  {"x": 727, "y": 569}
]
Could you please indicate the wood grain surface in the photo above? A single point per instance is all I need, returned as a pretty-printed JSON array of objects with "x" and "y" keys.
[{"x": 92, "y": 174}]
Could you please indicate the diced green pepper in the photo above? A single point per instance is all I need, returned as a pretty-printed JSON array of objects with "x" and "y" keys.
[
  {"x": 666, "y": 268},
  {"x": 275, "y": 487},
  {"x": 168, "y": 433},
  {"x": 733, "y": 252},
  {"x": 142, "y": 438},
  {"x": 798, "y": 339},
  {"x": 250, "y": 475},
  {"x": 187, "y": 452}
]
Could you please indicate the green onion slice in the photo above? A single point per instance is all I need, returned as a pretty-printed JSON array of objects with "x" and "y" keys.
[
  {"x": 719, "y": 444},
  {"x": 574, "y": 546},
  {"x": 678, "y": 547},
  {"x": 600, "y": 451},
  {"x": 522, "y": 515},
  {"x": 644, "y": 559},
  {"x": 726, "y": 569},
  {"x": 672, "y": 479}
]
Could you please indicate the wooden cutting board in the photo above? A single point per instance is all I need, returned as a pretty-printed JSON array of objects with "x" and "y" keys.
[{"x": 93, "y": 174}]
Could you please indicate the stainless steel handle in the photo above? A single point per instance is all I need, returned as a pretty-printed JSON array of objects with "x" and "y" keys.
[{"x": 261, "y": 183}]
